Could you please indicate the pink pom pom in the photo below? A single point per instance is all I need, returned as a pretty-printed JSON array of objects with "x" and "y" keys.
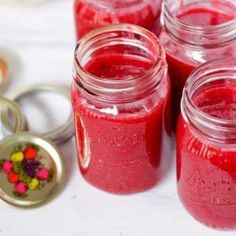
[
  {"x": 21, "y": 188},
  {"x": 43, "y": 174},
  {"x": 7, "y": 167}
]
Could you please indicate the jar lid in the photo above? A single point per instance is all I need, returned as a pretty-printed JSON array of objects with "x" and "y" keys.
[
  {"x": 12, "y": 119},
  {"x": 3, "y": 74},
  {"x": 31, "y": 170},
  {"x": 65, "y": 131}
]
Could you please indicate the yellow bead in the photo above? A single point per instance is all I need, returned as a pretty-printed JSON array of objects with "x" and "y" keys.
[
  {"x": 33, "y": 184},
  {"x": 17, "y": 156}
]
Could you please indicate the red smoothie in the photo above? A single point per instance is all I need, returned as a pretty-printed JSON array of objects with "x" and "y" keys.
[
  {"x": 183, "y": 58},
  {"x": 90, "y": 14},
  {"x": 206, "y": 170},
  {"x": 203, "y": 17},
  {"x": 120, "y": 148}
]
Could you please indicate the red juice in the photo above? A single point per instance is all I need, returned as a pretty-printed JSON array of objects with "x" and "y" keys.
[
  {"x": 120, "y": 149},
  {"x": 91, "y": 14},
  {"x": 179, "y": 71},
  {"x": 206, "y": 171},
  {"x": 183, "y": 56},
  {"x": 204, "y": 17}
]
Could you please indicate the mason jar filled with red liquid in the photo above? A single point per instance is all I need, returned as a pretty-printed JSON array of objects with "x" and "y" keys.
[
  {"x": 120, "y": 97},
  {"x": 206, "y": 144},
  {"x": 195, "y": 32},
  {"x": 91, "y": 14}
]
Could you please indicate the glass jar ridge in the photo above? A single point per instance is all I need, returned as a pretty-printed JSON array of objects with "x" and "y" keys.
[
  {"x": 214, "y": 73},
  {"x": 115, "y": 4},
  {"x": 140, "y": 41},
  {"x": 197, "y": 35}
]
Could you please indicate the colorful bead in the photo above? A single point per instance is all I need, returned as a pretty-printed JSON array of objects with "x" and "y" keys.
[
  {"x": 43, "y": 174},
  {"x": 17, "y": 156},
  {"x": 7, "y": 167},
  {"x": 34, "y": 184},
  {"x": 30, "y": 153},
  {"x": 21, "y": 188},
  {"x": 13, "y": 177}
]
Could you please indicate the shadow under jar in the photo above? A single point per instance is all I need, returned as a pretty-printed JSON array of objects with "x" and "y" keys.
[
  {"x": 120, "y": 97},
  {"x": 91, "y": 14},
  {"x": 195, "y": 32},
  {"x": 206, "y": 144}
]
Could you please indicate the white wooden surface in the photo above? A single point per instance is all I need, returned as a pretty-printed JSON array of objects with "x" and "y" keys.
[{"x": 38, "y": 42}]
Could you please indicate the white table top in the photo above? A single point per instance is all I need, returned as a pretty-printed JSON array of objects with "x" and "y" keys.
[{"x": 38, "y": 42}]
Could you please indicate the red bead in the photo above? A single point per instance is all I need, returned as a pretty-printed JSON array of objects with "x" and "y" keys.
[
  {"x": 13, "y": 177},
  {"x": 30, "y": 153}
]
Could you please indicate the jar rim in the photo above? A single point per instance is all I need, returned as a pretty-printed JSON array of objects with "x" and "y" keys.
[
  {"x": 173, "y": 23},
  {"x": 107, "y": 4},
  {"x": 193, "y": 114},
  {"x": 107, "y": 83}
]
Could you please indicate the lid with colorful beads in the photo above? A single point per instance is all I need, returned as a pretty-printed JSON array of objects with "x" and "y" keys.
[{"x": 31, "y": 170}]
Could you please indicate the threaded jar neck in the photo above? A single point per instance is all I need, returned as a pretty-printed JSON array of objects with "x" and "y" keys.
[
  {"x": 216, "y": 75},
  {"x": 131, "y": 41},
  {"x": 197, "y": 35},
  {"x": 114, "y": 4}
]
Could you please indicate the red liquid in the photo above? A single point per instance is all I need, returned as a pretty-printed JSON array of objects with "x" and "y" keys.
[
  {"x": 89, "y": 17},
  {"x": 125, "y": 148},
  {"x": 117, "y": 67},
  {"x": 179, "y": 67},
  {"x": 203, "y": 17},
  {"x": 206, "y": 172}
]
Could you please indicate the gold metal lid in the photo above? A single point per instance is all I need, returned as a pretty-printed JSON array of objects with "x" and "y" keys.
[
  {"x": 65, "y": 131},
  {"x": 31, "y": 170}
]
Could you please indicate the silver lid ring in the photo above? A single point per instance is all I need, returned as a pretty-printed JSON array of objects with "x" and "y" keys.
[{"x": 63, "y": 132}]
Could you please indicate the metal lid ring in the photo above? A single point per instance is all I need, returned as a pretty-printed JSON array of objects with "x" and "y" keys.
[
  {"x": 19, "y": 119},
  {"x": 63, "y": 132}
]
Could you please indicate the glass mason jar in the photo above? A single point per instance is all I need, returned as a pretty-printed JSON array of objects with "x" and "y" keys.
[
  {"x": 120, "y": 97},
  {"x": 91, "y": 14},
  {"x": 195, "y": 32},
  {"x": 206, "y": 144}
]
